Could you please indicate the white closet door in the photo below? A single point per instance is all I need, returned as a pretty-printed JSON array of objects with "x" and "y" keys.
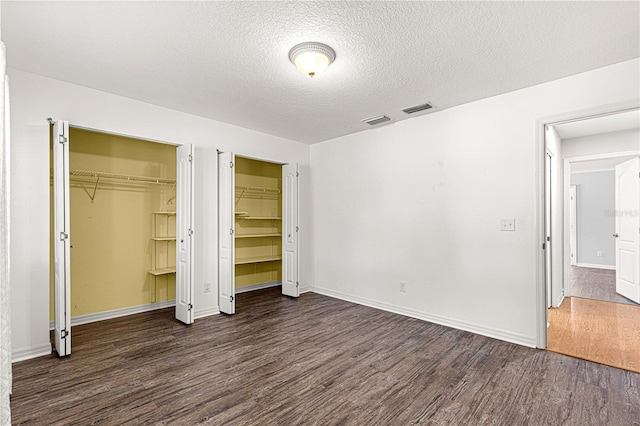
[
  {"x": 61, "y": 235},
  {"x": 290, "y": 284},
  {"x": 226, "y": 230},
  {"x": 184, "y": 234},
  {"x": 627, "y": 229}
]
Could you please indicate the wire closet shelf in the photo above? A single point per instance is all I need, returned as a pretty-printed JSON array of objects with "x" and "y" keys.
[{"x": 132, "y": 179}]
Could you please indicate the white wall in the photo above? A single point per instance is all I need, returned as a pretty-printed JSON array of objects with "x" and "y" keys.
[
  {"x": 604, "y": 143},
  {"x": 33, "y": 99},
  {"x": 596, "y": 222},
  {"x": 555, "y": 147},
  {"x": 421, "y": 201}
]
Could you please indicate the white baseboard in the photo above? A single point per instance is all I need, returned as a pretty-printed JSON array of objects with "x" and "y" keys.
[
  {"x": 254, "y": 287},
  {"x": 206, "y": 312},
  {"x": 305, "y": 289},
  {"x": 495, "y": 333},
  {"x": 115, "y": 313},
  {"x": 596, "y": 266},
  {"x": 24, "y": 354}
]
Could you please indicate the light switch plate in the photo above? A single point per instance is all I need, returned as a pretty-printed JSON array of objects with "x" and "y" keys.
[{"x": 507, "y": 224}]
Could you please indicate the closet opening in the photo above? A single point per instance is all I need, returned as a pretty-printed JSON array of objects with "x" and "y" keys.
[
  {"x": 115, "y": 227},
  {"x": 258, "y": 224},
  {"x": 258, "y": 227}
]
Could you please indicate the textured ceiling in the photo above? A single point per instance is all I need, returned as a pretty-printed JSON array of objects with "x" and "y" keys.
[{"x": 228, "y": 60}]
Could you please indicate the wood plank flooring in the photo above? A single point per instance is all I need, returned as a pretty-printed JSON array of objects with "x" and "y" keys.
[
  {"x": 604, "y": 332},
  {"x": 598, "y": 284},
  {"x": 312, "y": 360}
]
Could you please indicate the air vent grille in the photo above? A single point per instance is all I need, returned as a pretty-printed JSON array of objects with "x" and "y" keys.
[
  {"x": 378, "y": 119},
  {"x": 418, "y": 108}
]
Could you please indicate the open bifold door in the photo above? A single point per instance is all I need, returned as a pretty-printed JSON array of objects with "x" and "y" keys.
[
  {"x": 290, "y": 282},
  {"x": 184, "y": 234},
  {"x": 226, "y": 230},
  {"x": 61, "y": 239}
]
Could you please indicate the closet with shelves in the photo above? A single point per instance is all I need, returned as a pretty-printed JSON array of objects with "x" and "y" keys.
[
  {"x": 258, "y": 224},
  {"x": 123, "y": 224},
  {"x": 257, "y": 227}
]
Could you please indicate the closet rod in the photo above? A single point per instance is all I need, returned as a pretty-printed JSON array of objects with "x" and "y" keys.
[{"x": 121, "y": 177}]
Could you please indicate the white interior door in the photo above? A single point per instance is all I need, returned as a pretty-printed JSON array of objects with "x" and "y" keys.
[
  {"x": 628, "y": 229},
  {"x": 61, "y": 238},
  {"x": 573, "y": 217},
  {"x": 184, "y": 234},
  {"x": 226, "y": 230},
  {"x": 290, "y": 282}
]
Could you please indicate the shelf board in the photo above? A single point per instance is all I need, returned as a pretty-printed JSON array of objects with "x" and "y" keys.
[
  {"x": 258, "y": 235},
  {"x": 242, "y": 213},
  {"x": 163, "y": 271},
  {"x": 259, "y": 259},
  {"x": 259, "y": 218},
  {"x": 167, "y": 213},
  {"x": 163, "y": 238}
]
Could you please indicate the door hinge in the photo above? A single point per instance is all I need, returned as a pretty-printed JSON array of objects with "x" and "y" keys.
[
  {"x": 544, "y": 246},
  {"x": 231, "y": 231},
  {"x": 230, "y": 298},
  {"x": 297, "y": 174},
  {"x": 231, "y": 164},
  {"x": 190, "y": 157},
  {"x": 297, "y": 229},
  {"x": 190, "y": 232},
  {"x": 189, "y": 307},
  {"x": 62, "y": 139},
  {"x": 297, "y": 284},
  {"x": 64, "y": 334},
  {"x": 64, "y": 236}
]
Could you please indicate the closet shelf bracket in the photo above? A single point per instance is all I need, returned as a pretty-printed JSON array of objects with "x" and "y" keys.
[{"x": 95, "y": 188}]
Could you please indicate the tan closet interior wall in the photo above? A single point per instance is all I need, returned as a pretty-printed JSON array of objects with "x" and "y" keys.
[
  {"x": 258, "y": 206},
  {"x": 111, "y": 223}
]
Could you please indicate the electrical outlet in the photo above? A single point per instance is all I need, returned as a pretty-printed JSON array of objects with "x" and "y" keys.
[
  {"x": 599, "y": 254},
  {"x": 207, "y": 287},
  {"x": 507, "y": 224},
  {"x": 403, "y": 286}
]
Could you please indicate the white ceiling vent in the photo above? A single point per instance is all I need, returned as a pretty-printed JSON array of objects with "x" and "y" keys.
[
  {"x": 374, "y": 121},
  {"x": 417, "y": 108}
]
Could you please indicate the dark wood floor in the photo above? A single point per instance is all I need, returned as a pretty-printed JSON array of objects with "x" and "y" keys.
[
  {"x": 597, "y": 284},
  {"x": 312, "y": 360}
]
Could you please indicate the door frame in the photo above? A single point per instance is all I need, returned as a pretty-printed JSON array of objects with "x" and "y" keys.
[
  {"x": 548, "y": 224},
  {"x": 573, "y": 230},
  {"x": 96, "y": 130},
  {"x": 539, "y": 201},
  {"x": 567, "y": 203}
]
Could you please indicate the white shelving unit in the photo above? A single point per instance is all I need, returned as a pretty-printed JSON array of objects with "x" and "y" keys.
[{"x": 163, "y": 264}]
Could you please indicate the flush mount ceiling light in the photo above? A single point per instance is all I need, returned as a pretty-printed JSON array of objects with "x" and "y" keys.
[{"x": 311, "y": 58}]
